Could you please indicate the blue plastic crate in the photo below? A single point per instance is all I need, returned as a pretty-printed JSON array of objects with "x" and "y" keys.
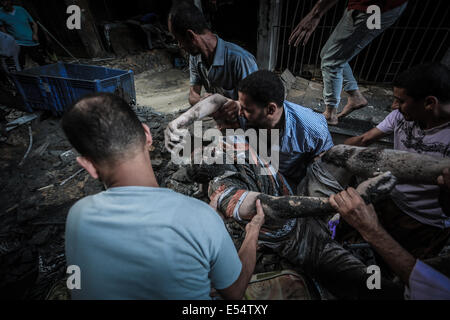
[{"x": 56, "y": 86}]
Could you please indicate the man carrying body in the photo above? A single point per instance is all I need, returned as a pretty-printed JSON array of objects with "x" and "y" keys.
[
  {"x": 135, "y": 240},
  {"x": 350, "y": 36},
  {"x": 304, "y": 134},
  {"x": 17, "y": 22},
  {"x": 417, "y": 215},
  {"x": 214, "y": 64},
  {"x": 422, "y": 281}
]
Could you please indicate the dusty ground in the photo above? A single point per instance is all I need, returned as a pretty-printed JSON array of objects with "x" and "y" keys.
[{"x": 166, "y": 91}]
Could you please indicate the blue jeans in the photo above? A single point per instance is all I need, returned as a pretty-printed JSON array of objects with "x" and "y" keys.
[{"x": 350, "y": 36}]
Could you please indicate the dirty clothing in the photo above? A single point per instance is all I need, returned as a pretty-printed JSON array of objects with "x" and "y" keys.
[
  {"x": 231, "y": 65},
  {"x": 305, "y": 242},
  {"x": 421, "y": 240},
  {"x": 148, "y": 243},
  {"x": 419, "y": 201},
  {"x": 348, "y": 39}
]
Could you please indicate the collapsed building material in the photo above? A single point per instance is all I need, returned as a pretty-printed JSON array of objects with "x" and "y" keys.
[{"x": 287, "y": 207}]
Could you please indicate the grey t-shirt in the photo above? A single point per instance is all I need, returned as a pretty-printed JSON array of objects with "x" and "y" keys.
[
  {"x": 420, "y": 201},
  {"x": 149, "y": 243}
]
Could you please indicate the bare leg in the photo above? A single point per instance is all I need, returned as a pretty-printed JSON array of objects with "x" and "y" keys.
[
  {"x": 288, "y": 207},
  {"x": 355, "y": 101},
  {"x": 331, "y": 115},
  {"x": 407, "y": 167}
]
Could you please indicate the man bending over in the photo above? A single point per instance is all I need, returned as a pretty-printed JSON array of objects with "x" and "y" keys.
[{"x": 136, "y": 240}]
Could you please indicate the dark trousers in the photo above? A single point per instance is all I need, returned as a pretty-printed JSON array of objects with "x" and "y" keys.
[
  {"x": 421, "y": 240},
  {"x": 36, "y": 53}
]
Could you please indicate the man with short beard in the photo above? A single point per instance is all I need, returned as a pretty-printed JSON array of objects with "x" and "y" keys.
[{"x": 304, "y": 134}]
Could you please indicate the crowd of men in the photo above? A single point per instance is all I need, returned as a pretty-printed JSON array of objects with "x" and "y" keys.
[{"x": 139, "y": 241}]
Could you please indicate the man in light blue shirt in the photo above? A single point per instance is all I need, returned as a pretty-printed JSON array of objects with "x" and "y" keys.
[
  {"x": 136, "y": 240},
  {"x": 214, "y": 64},
  {"x": 17, "y": 22}
]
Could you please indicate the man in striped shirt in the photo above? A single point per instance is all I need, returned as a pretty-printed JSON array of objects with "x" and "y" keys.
[{"x": 304, "y": 134}]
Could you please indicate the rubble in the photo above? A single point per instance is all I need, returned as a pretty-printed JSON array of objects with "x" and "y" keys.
[{"x": 36, "y": 199}]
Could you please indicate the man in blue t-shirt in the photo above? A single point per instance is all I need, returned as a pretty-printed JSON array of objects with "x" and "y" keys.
[
  {"x": 136, "y": 240},
  {"x": 17, "y": 22}
]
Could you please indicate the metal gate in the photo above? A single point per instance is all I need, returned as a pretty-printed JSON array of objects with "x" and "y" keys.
[{"x": 420, "y": 35}]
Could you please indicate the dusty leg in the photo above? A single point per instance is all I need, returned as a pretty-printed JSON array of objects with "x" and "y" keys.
[
  {"x": 288, "y": 207},
  {"x": 344, "y": 275},
  {"x": 407, "y": 167}
]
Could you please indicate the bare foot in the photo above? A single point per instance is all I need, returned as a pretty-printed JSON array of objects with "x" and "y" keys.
[
  {"x": 331, "y": 115},
  {"x": 355, "y": 101}
]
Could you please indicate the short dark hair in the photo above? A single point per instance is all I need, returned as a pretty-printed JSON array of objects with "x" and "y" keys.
[
  {"x": 103, "y": 127},
  {"x": 431, "y": 79},
  {"x": 263, "y": 87},
  {"x": 186, "y": 16}
]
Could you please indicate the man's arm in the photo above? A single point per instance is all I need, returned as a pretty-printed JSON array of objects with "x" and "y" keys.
[
  {"x": 444, "y": 197},
  {"x": 34, "y": 26},
  {"x": 195, "y": 94},
  {"x": 363, "y": 218},
  {"x": 366, "y": 139},
  {"x": 247, "y": 255},
  {"x": 174, "y": 133},
  {"x": 309, "y": 23}
]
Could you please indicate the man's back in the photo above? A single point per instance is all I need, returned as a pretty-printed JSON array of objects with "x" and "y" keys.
[{"x": 148, "y": 243}]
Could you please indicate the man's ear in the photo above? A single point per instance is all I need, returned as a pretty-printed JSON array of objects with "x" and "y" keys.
[
  {"x": 272, "y": 108},
  {"x": 89, "y": 166},
  {"x": 431, "y": 103},
  {"x": 148, "y": 135},
  {"x": 191, "y": 35}
]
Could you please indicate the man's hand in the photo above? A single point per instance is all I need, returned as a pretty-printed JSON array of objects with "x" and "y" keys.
[
  {"x": 304, "y": 29},
  {"x": 175, "y": 134},
  {"x": 228, "y": 112},
  {"x": 35, "y": 28},
  {"x": 356, "y": 212},
  {"x": 258, "y": 220},
  {"x": 444, "y": 179}
]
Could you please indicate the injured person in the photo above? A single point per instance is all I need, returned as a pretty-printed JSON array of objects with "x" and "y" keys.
[
  {"x": 298, "y": 213},
  {"x": 296, "y": 227},
  {"x": 416, "y": 213}
]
